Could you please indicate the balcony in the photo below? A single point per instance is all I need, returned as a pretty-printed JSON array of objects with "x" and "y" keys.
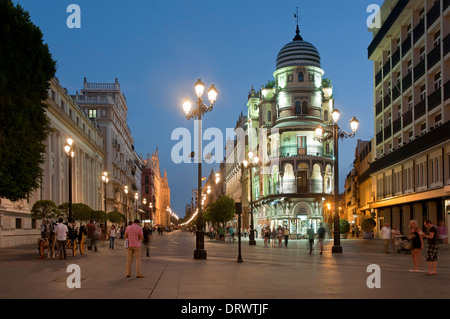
[
  {"x": 397, "y": 125},
  {"x": 406, "y": 46},
  {"x": 434, "y": 56},
  {"x": 419, "y": 109},
  {"x": 378, "y": 78},
  {"x": 434, "y": 99},
  {"x": 419, "y": 70},
  {"x": 379, "y": 137},
  {"x": 407, "y": 118},
  {"x": 407, "y": 81},
  {"x": 447, "y": 90},
  {"x": 387, "y": 132},
  {"x": 379, "y": 108},
  {"x": 386, "y": 68},
  {"x": 396, "y": 58},
  {"x": 419, "y": 30},
  {"x": 387, "y": 101},
  {"x": 395, "y": 92},
  {"x": 446, "y": 44},
  {"x": 434, "y": 13}
]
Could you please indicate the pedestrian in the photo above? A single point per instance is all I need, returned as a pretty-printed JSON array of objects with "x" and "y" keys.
[
  {"x": 311, "y": 239},
  {"x": 232, "y": 232},
  {"x": 321, "y": 232},
  {"x": 267, "y": 236},
  {"x": 91, "y": 235},
  {"x": 273, "y": 236},
  {"x": 395, "y": 235},
  {"x": 221, "y": 233},
  {"x": 286, "y": 236},
  {"x": 134, "y": 234},
  {"x": 431, "y": 255},
  {"x": 147, "y": 231},
  {"x": 112, "y": 236},
  {"x": 211, "y": 233},
  {"x": 357, "y": 231},
  {"x": 61, "y": 231},
  {"x": 280, "y": 235},
  {"x": 416, "y": 244},
  {"x": 245, "y": 232},
  {"x": 386, "y": 235}
]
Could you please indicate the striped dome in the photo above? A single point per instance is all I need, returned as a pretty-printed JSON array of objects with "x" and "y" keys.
[{"x": 298, "y": 52}]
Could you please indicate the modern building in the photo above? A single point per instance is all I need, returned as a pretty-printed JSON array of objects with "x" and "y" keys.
[
  {"x": 67, "y": 119},
  {"x": 410, "y": 169},
  {"x": 294, "y": 177},
  {"x": 106, "y": 105}
]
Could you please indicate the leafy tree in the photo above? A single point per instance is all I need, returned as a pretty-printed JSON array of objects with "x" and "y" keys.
[
  {"x": 368, "y": 224},
  {"x": 221, "y": 211},
  {"x": 44, "y": 209},
  {"x": 326, "y": 83},
  {"x": 116, "y": 217},
  {"x": 80, "y": 211},
  {"x": 98, "y": 215},
  {"x": 270, "y": 84},
  {"x": 26, "y": 67}
]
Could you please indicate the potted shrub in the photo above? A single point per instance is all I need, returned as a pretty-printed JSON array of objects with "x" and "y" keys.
[
  {"x": 367, "y": 227},
  {"x": 344, "y": 228}
]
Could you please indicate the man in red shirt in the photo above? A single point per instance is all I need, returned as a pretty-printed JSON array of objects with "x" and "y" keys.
[{"x": 134, "y": 235}]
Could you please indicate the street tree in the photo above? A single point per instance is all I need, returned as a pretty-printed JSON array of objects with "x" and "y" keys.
[
  {"x": 221, "y": 211},
  {"x": 44, "y": 209},
  {"x": 26, "y": 67}
]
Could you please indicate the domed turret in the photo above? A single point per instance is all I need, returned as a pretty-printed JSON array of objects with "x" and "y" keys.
[{"x": 298, "y": 52}]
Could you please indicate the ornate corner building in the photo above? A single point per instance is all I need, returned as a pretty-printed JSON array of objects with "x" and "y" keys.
[{"x": 294, "y": 179}]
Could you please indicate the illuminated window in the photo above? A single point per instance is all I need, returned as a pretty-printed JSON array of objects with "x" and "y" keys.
[{"x": 300, "y": 76}]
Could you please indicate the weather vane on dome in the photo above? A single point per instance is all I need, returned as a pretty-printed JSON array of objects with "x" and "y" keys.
[{"x": 297, "y": 32}]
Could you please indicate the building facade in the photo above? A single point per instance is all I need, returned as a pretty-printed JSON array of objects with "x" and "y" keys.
[
  {"x": 410, "y": 167},
  {"x": 67, "y": 119},
  {"x": 105, "y": 104},
  {"x": 294, "y": 177}
]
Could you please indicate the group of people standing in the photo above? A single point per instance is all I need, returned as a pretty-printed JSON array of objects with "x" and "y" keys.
[
  {"x": 416, "y": 242},
  {"x": 277, "y": 234}
]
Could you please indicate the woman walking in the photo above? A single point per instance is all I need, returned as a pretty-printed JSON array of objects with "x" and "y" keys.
[
  {"x": 112, "y": 236},
  {"x": 266, "y": 236},
  {"x": 280, "y": 235},
  {"x": 416, "y": 244}
]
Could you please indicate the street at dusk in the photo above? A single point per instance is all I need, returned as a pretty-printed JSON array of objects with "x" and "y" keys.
[{"x": 232, "y": 157}]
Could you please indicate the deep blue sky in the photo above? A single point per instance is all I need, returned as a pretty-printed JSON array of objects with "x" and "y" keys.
[{"x": 158, "y": 49}]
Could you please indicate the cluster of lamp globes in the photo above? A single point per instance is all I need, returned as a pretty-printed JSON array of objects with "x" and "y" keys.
[
  {"x": 199, "y": 90},
  {"x": 335, "y": 115}
]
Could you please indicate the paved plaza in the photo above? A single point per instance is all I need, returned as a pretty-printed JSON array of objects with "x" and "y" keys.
[{"x": 265, "y": 273}]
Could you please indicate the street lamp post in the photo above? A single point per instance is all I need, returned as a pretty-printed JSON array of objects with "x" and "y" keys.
[
  {"x": 252, "y": 162},
  {"x": 70, "y": 154},
  {"x": 239, "y": 212},
  {"x": 105, "y": 180},
  {"x": 125, "y": 189},
  {"x": 136, "y": 197},
  {"x": 197, "y": 112},
  {"x": 335, "y": 135}
]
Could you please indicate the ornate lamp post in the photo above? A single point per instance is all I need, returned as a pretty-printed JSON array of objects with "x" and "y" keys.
[
  {"x": 335, "y": 135},
  {"x": 136, "y": 197},
  {"x": 252, "y": 162},
  {"x": 197, "y": 112},
  {"x": 105, "y": 180},
  {"x": 70, "y": 154},
  {"x": 125, "y": 189}
]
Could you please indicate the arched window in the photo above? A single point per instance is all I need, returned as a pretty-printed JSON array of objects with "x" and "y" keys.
[
  {"x": 298, "y": 109},
  {"x": 269, "y": 116},
  {"x": 305, "y": 108},
  {"x": 325, "y": 115},
  {"x": 300, "y": 76}
]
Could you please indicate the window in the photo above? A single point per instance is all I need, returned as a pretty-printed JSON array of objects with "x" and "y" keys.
[
  {"x": 301, "y": 145},
  {"x": 437, "y": 81},
  {"x": 437, "y": 38},
  {"x": 422, "y": 93},
  {"x": 422, "y": 53},
  {"x": 63, "y": 104},
  {"x": 300, "y": 76},
  {"x": 298, "y": 109},
  {"x": 92, "y": 114},
  {"x": 311, "y": 77},
  {"x": 18, "y": 223},
  {"x": 305, "y": 108},
  {"x": 269, "y": 116},
  {"x": 325, "y": 115}
]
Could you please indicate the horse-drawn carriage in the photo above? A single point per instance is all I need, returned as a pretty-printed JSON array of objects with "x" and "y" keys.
[{"x": 47, "y": 241}]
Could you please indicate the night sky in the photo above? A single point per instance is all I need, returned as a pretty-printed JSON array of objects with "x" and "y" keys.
[{"x": 158, "y": 50}]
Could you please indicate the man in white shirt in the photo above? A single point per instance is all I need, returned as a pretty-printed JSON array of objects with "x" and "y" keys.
[
  {"x": 61, "y": 231},
  {"x": 386, "y": 235}
]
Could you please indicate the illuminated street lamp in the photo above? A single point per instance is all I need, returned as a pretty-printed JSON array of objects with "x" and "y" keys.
[
  {"x": 125, "y": 189},
  {"x": 197, "y": 112},
  {"x": 252, "y": 162},
  {"x": 105, "y": 180},
  {"x": 70, "y": 154},
  {"x": 335, "y": 135},
  {"x": 136, "y": 197}
]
